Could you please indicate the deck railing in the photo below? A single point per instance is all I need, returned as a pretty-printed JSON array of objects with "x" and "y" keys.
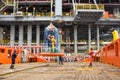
[
  {"x": 90, "y": 6},
  {"x": 8, "y": 1},
  {"x": 1, "y": 5}
]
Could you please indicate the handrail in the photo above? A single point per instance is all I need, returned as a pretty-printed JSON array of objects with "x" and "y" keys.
[
  {"x": 3, "y": 1},
  {"x": 5, "y": 4},
  {"x": 2, "y": 7},
  {"x": 89, "y": 6},
  {"x": 2, "y": 4},
  {"x": 8, "y": 1}
]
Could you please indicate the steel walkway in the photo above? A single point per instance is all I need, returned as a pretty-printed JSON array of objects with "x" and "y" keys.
[{"x": 53, "y": 71}]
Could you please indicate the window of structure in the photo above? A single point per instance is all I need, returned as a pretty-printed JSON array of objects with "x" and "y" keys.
[
  {"x": 2, "y": 50},
  {"x": 25, "y": 33},
  {"x": 34, "y": 33},
  {"x": 16, "y": 33},
  {"x": 42, "y": 28},
  {"x": 6, "y": 33},
  {"x": 9, "y": 53}
]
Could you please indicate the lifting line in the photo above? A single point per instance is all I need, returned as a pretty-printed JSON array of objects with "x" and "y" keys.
[{"x": 96, "y": 4}]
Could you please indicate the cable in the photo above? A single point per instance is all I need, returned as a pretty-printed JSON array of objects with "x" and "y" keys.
[{"x": 96, "y": 4}]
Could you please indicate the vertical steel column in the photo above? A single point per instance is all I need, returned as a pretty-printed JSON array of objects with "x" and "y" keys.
[
  {"x": 58, "y": 7},
  {"x": 58, "y": 14},
  {"x": 75, "y": 38},
  {"x": 37, "y": 37},
  {"x": 98, "y": 38},
  {"x": 12, "y": 35},
  {"x": 29, "y": 36},
  {"x": 68, "y": 39},
  {"x": 1, "y": 34},
  {"x": 20, "y": 35},
  {"x": 89, "y": 36},
  {"x": 14, "y": 7},
  {"x": 59, "y": 45}
]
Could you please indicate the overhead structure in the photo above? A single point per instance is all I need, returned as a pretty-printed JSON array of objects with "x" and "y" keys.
[{"x": 88, "y": 13}]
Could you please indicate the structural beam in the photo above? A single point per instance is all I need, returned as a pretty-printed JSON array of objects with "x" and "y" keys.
[
  {"x": 98, "y": 38},
  {"x": 89, "y": 36},
  {"x": 20, "y": 35},
  {"x": 29, "y": 36},
  {"x": 75, "y": 38},
  {"x": 12, "y": 35},
  {"x": 37, "y": 37}
]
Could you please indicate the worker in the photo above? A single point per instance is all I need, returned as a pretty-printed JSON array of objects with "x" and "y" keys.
[
  {"x": 14, "y": 55},
  {"x": 115, "y": 35},
  {"x": 53, "y": 41},
  {"x": 60, "y": 60},
  {"x": 91, "y": 54}
]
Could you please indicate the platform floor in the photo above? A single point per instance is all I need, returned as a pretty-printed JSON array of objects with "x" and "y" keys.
[{"x": 53, "y": 71}]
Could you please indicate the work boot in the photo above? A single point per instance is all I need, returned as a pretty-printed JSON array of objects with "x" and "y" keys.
[
  {"x": 12, "y": 66},
  {"x": 90, "y": 65},
  {"x": 62, "y": 63}
]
